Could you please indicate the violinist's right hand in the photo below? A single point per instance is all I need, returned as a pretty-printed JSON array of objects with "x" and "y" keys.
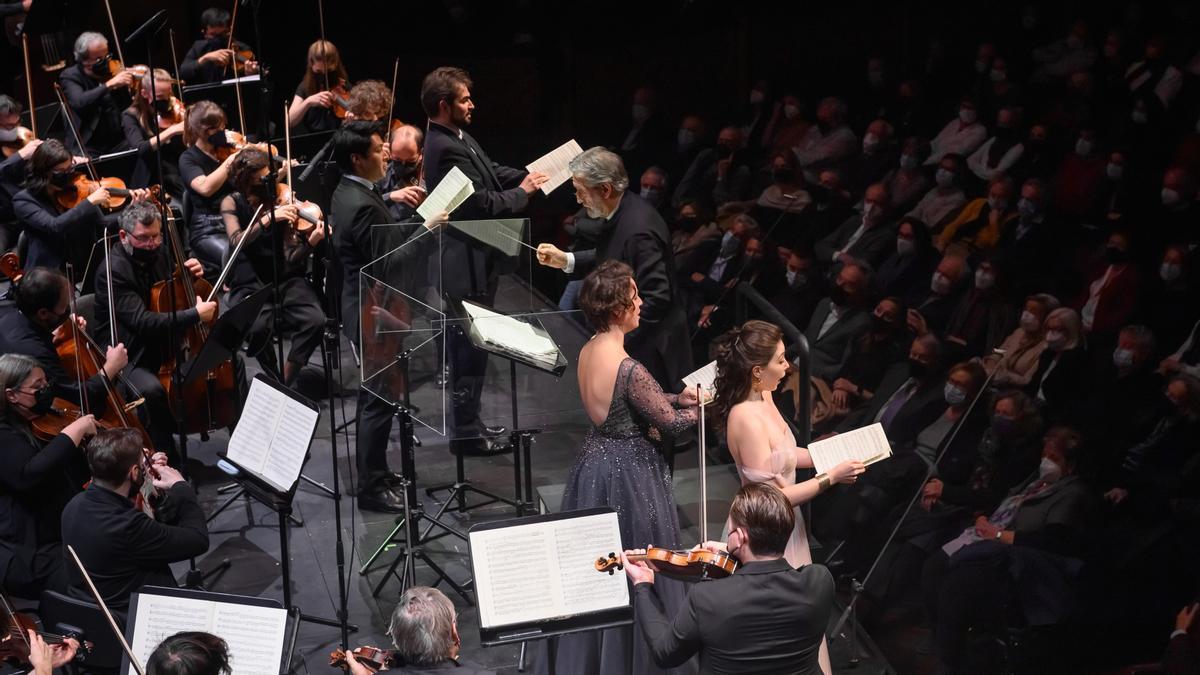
[
  {"x": 355, "y": 667},
  {"x": 115, "y": 360},
  {"x": 121, "y": 79},
  {"x": 712, "y": 547},
  {"x": 81, "y": 429},
  {"x": 167, "y": 476},
  {"x": 322, "y": 99},
  {"x": 206, "y": 309},
  {"x": 99, "y": 197},
  {"x": 221, "y": 57},
  {"x": 26, "y": 150}
]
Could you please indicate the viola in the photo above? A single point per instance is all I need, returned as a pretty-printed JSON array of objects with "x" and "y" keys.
[
  {"x": 62, "y": 414},
  {"x": 341, "y": 99},
  {"x": 695, "y": 565},
  {"x": 374, "y": 658},
  {"x": 24, "y": 137},
  {"x": 14, "y": 642}
]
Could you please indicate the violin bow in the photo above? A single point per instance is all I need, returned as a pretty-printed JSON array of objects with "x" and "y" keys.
[
  {"x": 133, "y": 659},
  {"x": 392, "y": 103},
  {"x": 175, "y": 63},
  {"x": 113, "y": 26},
  {"x": 234, "y": 254},
  {"x": 703, "y": 471},
  {"x": 229, "y": 42},
  {"x": 12, "y": 618},
  {"x": 324, "y": 52},
  {"x": 237, "y": 84},
  {"x": 66, "y": 111},
  {"x": 29, "y": 84}
]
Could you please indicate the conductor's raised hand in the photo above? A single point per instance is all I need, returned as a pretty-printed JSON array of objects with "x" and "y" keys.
[
  {"x": 551, "y": 256},
  {"x": 533, "y": 181}
]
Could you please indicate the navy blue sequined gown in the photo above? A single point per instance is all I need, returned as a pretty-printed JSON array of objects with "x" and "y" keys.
[{"x": 619, "y": 466}]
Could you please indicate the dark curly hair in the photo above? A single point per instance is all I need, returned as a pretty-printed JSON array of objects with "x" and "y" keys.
[
  {"x": 605, "y": 295},
  {"x": 738, "y": 352},
  {"x": 244, "y": 168}
]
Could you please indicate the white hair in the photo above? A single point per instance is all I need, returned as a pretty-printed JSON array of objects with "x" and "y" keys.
[
  {"x": 85, "y": 41},
  {"x": 422, "y": 626},
  {"x": 597, "y": 166}
]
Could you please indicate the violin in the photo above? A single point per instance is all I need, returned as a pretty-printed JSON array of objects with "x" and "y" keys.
[
  {"x": 235, "y": 141},
  {"x": 118, "y": 194},
  {"x": 14, "y": 642},
  {"x": 696, "y": 565},
  {"x": 178, "y": 114},
  {"x": 341, "y": 99},
  {"x": 62, "y": 414},
  {"x": 24, "y": 137},
  {"x": 374, "y": 658}
]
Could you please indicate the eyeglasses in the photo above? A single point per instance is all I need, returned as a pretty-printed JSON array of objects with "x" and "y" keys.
[{"x": 147, "y": 238}]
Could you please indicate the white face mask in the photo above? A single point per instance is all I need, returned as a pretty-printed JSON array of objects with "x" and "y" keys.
[
  {"x": 1114, "y": 171},
  {"x": 1083, "y": 147},
  {"x": 1055, "y": 340},
  {"x": 998, "y": 75},
  {"x": 984, "y": 280},
  {"x": 1030, "y": 322},
  {"x": 8, "y": 135},
  {"x": 1169, "y": 197},
  {"x": 1138, "y": 116},
  {"x": 1048, "y": 470},
  {"x": 905, "y": 246},
  {"x": 907, "y": 161},
  {"x": 940, "y": 284},
  {"x": 640, "y": 113},
  {"x": 791, "y": 111},
  {"x": 870, "y": 142},
  {"x": 1170, "y": 272},
  {"x": 966, "y": 115}
]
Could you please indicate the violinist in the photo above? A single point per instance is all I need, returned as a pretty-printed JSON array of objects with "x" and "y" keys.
[
  {"x": 43, "y": 301},
  {"x": 210, "y": 58},
  {"x": 12, "y": 168},
  {"x": 204, "y": 166},
  {"x": 35, "y": 480},
  {"x": 402, "y": 185},
  {"x": 122, "y": 548},
  {"x": 150, "y": 120},
  {"x": 369, "y": 100},
  {"x": 767, "y": 618},
  {"x": 301, "y": 316},
  {"x": 312, "y": 108},
  {"x": 96, "y": 96},
  {"x": 138, "y": 260},
  {"x": 58, "y": 235},
  {"x": 424, "y": 630}
]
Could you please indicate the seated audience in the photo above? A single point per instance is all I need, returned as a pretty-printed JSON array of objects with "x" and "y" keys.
[
  {"x": 980, "y": 223},
  {"x": 1017, "y": 358},
  {"x": 945, "y": 198}
]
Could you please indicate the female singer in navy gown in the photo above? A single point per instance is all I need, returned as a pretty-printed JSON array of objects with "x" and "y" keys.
[{"x": 619, "y": 465}]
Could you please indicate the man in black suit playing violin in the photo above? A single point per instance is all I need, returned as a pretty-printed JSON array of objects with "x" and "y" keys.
[{"x": 765, "y": 618}]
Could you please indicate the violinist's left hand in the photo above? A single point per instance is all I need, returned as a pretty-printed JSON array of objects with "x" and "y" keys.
[
  {"x": 159, "y": 459},
  {"x": 45, "y": 658},
  {"x": 356, "y": 668},
  {"x": 637, "y": 571},
  {"x": 167, "y": 476},
  {"x": 252, "y": 67},
  {"x": 138, "y": 195},
  {"x": 315, "y": 236},
  {"x": 194, "y": 267}
]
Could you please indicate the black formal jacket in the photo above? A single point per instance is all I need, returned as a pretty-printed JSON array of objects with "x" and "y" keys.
[
  {"x": 18, "y": 335},
  {"x": 123, "y": 549},
  {"x": 353, "y": 211},
  {"x": 55, "y": 237},
  {"x": 636, "y": 235},
  {"x": 469, "y": 268},
  {"x": 146, "y": 334},
  {"x": 193, "y": 72},
  {"x": 96, "y": 111},
  {"x": 766, "y": 618},
  {"x": 12, "y": 175}
]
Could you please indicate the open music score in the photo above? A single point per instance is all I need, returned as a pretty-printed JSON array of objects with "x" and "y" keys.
[
  {"x": 555, "y": 164},
  {"x": 867, "y": 445},
  {"x": 448, "y": 195},
  {"x": 272, "y": 435},
  {"x": 705, "y": 378}
]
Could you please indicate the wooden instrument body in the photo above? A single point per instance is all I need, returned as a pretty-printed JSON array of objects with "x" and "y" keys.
[{"x": 695, "y": 565}]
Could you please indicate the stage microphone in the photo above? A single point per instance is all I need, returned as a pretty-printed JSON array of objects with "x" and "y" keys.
[
  {"x": 316, "y": 159},
  {"x": 152, "y": 25}
]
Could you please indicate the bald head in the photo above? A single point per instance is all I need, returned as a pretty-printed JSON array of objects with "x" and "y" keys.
[{"x": 407, "y": 142}]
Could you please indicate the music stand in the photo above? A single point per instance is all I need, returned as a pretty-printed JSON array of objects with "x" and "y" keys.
[{"x": 223, "y": 95}]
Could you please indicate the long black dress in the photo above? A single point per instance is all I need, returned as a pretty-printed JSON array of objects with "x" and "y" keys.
[{"x": 619, "y": 466}]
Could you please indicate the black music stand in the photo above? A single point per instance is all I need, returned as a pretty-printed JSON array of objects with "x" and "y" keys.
[{"x": 223, "y": 94}]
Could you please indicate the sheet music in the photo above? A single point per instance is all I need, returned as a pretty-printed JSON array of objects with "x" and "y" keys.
[
  {"x": 546, "y": 570},
  {"x": 272, "y": 435},
  {"x": 509, "y": 333},
  {"x": 255, "y": 634},
  {"x": 555, "y": 164},
  {"x": 866, "y": 444},
  {"x": 706, "y": 377},
  {"x": 448, "y": 195}
]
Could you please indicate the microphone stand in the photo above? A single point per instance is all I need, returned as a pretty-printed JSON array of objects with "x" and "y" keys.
[{"x": 856, "y": 586}]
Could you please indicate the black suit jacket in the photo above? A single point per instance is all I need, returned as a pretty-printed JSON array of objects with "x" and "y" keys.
[
  {"x": 872, "y": 246},
  {"x": 193, "y": 72},
  {"x": 96, "y": 112},
  {"x": 353, "y": 211},
  {"x": 637, "y": 236},
  {"x": 471, "y": 268},
  {"x": 56, "y": 238},
  {"x": 18, "y": 335},
  {"x": 123, "y": 549},
  {"x": 766, "y": 618}
]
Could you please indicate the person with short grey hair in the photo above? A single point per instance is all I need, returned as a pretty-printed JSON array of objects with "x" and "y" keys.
[
  {"x": 634, "y": 232},
  {"x": 96, "y": 97},
  {"x": 424, "y": 631}
]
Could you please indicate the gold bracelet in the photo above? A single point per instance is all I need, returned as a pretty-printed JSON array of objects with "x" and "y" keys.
[{"x": 823, "y": 481}]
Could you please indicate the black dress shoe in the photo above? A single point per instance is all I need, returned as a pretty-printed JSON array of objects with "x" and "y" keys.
[
  {"x": 380, "y": 499},
  {"x": 477, "y": 447}
]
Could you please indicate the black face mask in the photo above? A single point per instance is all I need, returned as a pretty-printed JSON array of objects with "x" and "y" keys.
[
  {"x": 689, "y": 223},
  {"x": 217, "y": 139},
  {"x": 43, "y": 401},
  {"x": 838, "y": 296},
  {"x": 1115, "y": 256},
  {"x": 63, "y": 179},
  {"x": 917, "y": 369},
  {"x": 101, "y": 68},
  {"x": 143, "y": 256},
  {"x": 782, "y": 175},
  {"x": 403, "y": 170},
  {"x": 162, "y": 106},
  {"x": 724, "y": 152},
  {"x": 819, "y": 193},
  {"x": 880, "y": 325}
]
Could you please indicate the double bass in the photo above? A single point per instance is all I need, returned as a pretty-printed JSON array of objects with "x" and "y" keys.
[{"x": 209, "y": 401}]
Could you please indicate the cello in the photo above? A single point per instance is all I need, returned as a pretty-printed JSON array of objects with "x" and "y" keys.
[{"x": 210, "y": 399}]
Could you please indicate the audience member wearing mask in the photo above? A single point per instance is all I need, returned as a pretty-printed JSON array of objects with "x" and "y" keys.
[
  {"x": 1062, "y": 375},
  {"x": 1154, "y": 81},
  {"x": 800, "y": 287},
  {"x": 785, "y": 197},
  {"x": 885, "y": 343},
  {"x": 1032, "y": 247},
  {"x": 980, "y": 223},
  {"x": 838, "y": 320},
  {"x": 828, "y": 143},
  {"x": 1175, "y": 222},
  {"x": 989, "y": 568},
  {"x": 1111, "y": 293},
  {"x": 1114, "y": 197},
  {"x": 648, "y": 136},
  {"x": 690, "y": 139},
  {"x": 945, "y": 198},
  {"x": 787, "y": 127},
  {"x": 908, "y": 181},
  {"x": 1001, "y": 152},
  {"x": 717, "y": 174},
  {"x": 1022, "y": 350},
  {"x": 877, "y": 160},
  {"x": 866, "y": 236},
  {"x": 984, "y": 316},
  {"x": 755, "y": 117},
  {"x": 653, "y": 187},
  {"x": 905, "y": 272},
  {"x": 1057, "y": 60},
  {"x": 961, "y": 136},
  {"x": 1040, "y": 159},
  {"x": 945, "y": 290},
  {"x": 1000, "y": 91},
  {"x": 715, "y": 265},
  {"x": 830, "y": 206},
  {"x": 1122, "y": 402},
  {"x": 693, "y": 226},
  {"x": 1172, "y": 302},
  {"x": 1079, "y": 183}
]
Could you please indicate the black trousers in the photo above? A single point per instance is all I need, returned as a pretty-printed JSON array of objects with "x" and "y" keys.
[
  {"x": 468, "y": 368},
  {"x": 300, "y": 316},
  {"x": 209, "y": 245}
]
